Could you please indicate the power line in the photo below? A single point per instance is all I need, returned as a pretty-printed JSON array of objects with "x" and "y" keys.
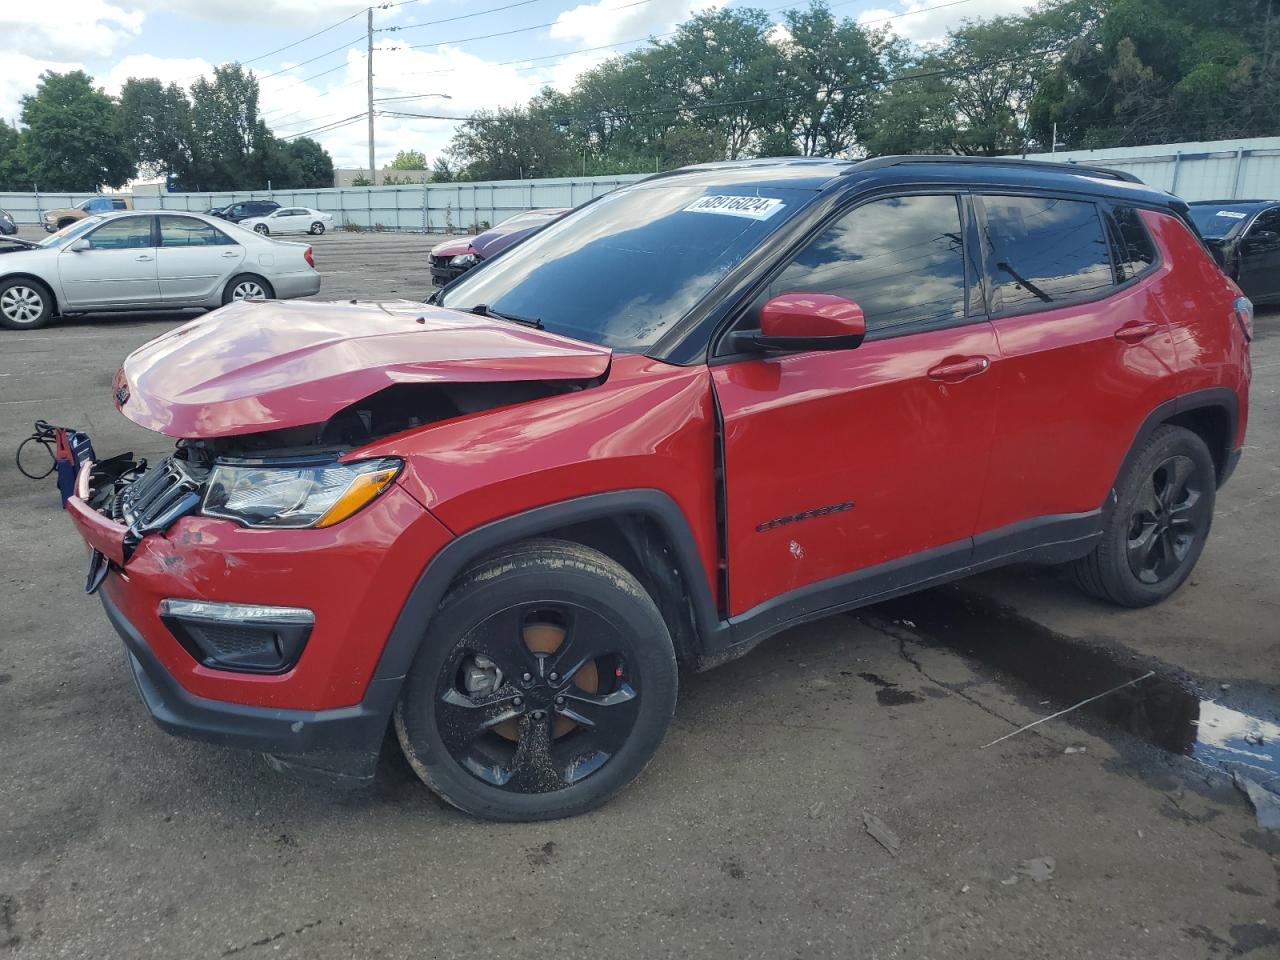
[
  {"x": 507, "y": 33},
  {"x": 287, "y": 46},
  {"x": 464, "y": 16},
  {"x": 327, "y": 53}
]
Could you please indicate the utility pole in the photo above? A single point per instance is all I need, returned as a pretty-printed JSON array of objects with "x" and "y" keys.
[{"x": 373, "y": 174}]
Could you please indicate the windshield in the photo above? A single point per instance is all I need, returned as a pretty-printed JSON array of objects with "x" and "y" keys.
[
  {"x": 70, "y": 232},
  {"x": 622, "y": 270},
  {"x": 1216, "y": 221}
]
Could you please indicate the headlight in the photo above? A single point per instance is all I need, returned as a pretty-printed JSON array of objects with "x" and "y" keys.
[
  {"x": 295, "y": 495},
  {"x": 464, "y": 260}
]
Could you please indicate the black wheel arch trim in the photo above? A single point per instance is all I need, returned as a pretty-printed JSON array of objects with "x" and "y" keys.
[
  {"x": 424, "y": 599},
  {"x": 1222, "y": 398}
]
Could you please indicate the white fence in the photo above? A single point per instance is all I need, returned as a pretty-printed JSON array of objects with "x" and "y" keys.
[
  {"x": 426, "y": 208},
  {"x": 1217, "y": 170},
  {"x": 1221, "y": 170}
]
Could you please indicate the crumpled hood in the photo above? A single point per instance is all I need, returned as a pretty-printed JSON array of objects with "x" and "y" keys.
[
  {"x": 250, "y": 367},
  {"x": 452, "y": 247}
]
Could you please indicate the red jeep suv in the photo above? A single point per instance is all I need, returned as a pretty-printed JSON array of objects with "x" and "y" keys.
[{"x": 703, "y": 408}]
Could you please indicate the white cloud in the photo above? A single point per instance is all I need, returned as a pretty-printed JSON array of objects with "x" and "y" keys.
[
  {"x": 78, "y": 29},
  {"x": 179, "y": 70},
  {"x": 610, "y": 21},
  {"x": 924, "y": 26},
  {"x": 283, "y": 13},
  {"x": 20, "y": 76}
]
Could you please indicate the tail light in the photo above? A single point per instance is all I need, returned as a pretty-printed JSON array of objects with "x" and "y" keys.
[
  {"x": 311, "y": 261},
  {"x": 1244, "y": 316}
]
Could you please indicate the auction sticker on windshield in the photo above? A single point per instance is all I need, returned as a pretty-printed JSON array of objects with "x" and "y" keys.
[
  {"x": 1231, "y": 214},
  {"x": 754, "y": 208}
]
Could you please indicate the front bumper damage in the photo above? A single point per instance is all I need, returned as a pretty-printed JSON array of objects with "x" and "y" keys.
[{"x": 325, "y": 714}]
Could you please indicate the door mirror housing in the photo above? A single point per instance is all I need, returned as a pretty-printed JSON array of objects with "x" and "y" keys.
[
  {"x": 805, "y": 321},
  {"x": 79, "y": 246}
]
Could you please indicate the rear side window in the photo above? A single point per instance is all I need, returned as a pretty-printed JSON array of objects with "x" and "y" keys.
[
  {"x": 1135, "y": 251},
  {"x": 189, "y": 232},
  {"x": 1046, "y": 251},
  {"x": 901, "y": 260},
  {"x": 118, "y": 204}
]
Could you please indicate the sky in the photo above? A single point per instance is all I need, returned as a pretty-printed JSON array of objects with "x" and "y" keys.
[{"x": 443, "y": 53}]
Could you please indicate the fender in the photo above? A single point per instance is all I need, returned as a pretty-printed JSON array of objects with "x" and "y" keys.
[
  {"x": 1221, "y": 397},
  {"x": 410, "y": 627}
]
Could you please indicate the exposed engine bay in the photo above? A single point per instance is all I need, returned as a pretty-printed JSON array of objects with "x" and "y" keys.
[{"x": 148, "y": 499}]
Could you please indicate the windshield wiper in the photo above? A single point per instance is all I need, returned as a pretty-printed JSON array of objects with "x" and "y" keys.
[{"x": 484, "y": 310}]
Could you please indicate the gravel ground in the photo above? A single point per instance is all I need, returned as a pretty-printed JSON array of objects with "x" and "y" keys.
[{"x": 747, "y": 835}]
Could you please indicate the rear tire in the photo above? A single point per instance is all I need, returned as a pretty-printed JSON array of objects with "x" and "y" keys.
[
  {"x": 247, "y": 286},
  {"x": 1159, "y": 525},
  {"x": 532, "y": 744},
  {"x": 24, "y": 304}
]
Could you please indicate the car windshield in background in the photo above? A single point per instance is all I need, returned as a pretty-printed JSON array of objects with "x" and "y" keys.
[
  {"x": 621, "y": 271},
  {"x": 1218, "y": 220},
  {"x": 70, "y": 232}
]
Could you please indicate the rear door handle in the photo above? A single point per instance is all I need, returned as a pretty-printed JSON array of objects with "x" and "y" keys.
[
  {"x": 229, "y": 254},
  {"x": 143, "y": 257},
  {"x": 1137, "y": 331},
  {"x": 955, "y": 369}
]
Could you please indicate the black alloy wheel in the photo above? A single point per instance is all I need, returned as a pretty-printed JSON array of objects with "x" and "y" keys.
[
  {"x": 1167, "y": 520},
  {"x": 545, "y": 684},
  {"x": 1160, "y": 522}
]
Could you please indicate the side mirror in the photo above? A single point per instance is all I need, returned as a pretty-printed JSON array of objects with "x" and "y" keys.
[
  {"x": 79, "y": 246},
  {"x": 805, "y": 321}
]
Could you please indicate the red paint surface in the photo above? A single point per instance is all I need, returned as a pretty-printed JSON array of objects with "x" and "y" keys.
[{"x": 255, "y": 366}]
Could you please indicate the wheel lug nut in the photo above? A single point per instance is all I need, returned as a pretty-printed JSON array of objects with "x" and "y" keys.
[
  {"x": 518, "y": 701},
  {"x": 553, "y": 677},
  {"x": 527, "y": 677},
  {"x": 538, "y": 714},
  {"x": 559, "y": 700}
]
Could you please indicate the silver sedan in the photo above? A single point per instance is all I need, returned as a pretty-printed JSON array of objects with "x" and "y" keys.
[{"x": 146, "y": 261}]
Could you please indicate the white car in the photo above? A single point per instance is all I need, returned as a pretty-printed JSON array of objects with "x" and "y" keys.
[
  {"x": 290, "y": 220},
  {"x": 146, "y": 261}
]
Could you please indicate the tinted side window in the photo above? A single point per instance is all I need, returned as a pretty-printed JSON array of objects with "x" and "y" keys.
[
  {"x": 1268, "y": 220},
  {"x": 188, "y": 232},
  {"x": 1046, "y": 250},
  {"x": 1135, "y": 249},
  {"x": 901, "y": 260},
  {"x": 118, "y": 204},
  {"x": 126, "y": 233}
]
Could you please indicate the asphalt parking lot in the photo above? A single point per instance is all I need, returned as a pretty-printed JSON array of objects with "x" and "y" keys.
[{"x": 746, "y": 837}]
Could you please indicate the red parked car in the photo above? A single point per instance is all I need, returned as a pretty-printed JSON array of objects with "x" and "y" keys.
[
  {"x": 452, "y": 258},
  {"x": 711, "y": 405}
]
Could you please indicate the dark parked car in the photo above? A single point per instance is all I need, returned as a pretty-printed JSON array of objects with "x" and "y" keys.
[
  {"x": 235, "y": 212},
  {"x": 452, "y": 258},
  {"x": 716, "y": 403},
  {"x": 1245, "y": 235},
  {"x": 7, "y": 227}
]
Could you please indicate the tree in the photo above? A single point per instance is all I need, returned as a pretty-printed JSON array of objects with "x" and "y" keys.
[
  {"x": 510, "y": 144},
  {"x": 12, "y": 170},
  {"x": 440, "y": 171},
  {"x": 72, "y": 139},
  {"x": 156, "y": 121},
  {"x": 1159, "y": 71},
  {"x": 226, "y": 130},
  {"x": 409, "y": 160},
  {"x": 314, "y": 166},
  {"x": 833, "y": 74}
]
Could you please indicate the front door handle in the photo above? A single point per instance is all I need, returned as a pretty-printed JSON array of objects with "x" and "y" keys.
[
  {"x": 143, "y": 257},
  {"x": 1137, "y": 331},
  {"x": 229, "y": 254},
  {"x": 955, "y": 369}
]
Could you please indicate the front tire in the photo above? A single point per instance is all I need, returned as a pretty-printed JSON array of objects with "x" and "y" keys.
[
  {"x": 247, "y": 286},
  {"x": 24, "y": 304},
  {"x": 261, "y": 229},
  {"x": 317, "y": 228},
  {"x": 545, "y": 683},
  {"x": 1160, "y": 523}
]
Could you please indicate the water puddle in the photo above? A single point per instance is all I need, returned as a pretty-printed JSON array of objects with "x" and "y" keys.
[{"x": 1066, "y": 671}]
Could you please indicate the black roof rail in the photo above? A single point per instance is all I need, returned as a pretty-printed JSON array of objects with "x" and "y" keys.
[{"x": 875, "y": 163}]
